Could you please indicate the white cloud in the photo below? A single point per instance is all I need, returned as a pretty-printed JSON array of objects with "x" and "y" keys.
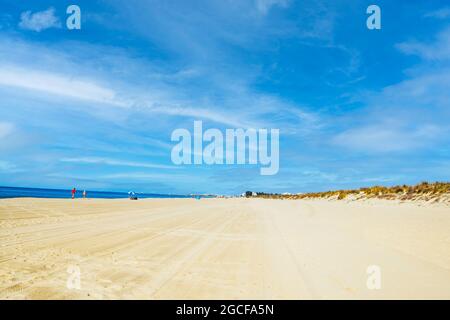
[
  {"x": 7, "y": 167},
  {"x": 6, "y": 129},
  {"x": 58, "y": 84},
  {"x": 141, "y": 87},
  {"x": 146, "y": 176},
  {"x": 264, "y": 6},
  {"x": 439, "y": 14},
  {"x": 201, "y": 113},
  {"x": 403, "y": 117},
  {"x": 91, "y": 91},
  {"x": 114, "y": 162},
  {"x": 39, "y": 21},
  {"x": 437, "y": 50},
  {"x": 386, "y": 138},
  {"x": 411, "y": 114}
]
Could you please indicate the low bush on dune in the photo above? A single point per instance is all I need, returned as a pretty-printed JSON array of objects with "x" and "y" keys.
[{"x": 422, "y": 191}]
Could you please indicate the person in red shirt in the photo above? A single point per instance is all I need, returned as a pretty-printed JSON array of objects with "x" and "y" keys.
[{"x": 73, "y": 193}]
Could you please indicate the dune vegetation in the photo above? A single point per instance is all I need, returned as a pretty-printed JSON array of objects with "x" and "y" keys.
[{"x": 425, "y": 191}]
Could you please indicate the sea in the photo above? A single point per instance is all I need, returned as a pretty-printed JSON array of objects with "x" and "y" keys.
[{"x": 14, "y": 192}]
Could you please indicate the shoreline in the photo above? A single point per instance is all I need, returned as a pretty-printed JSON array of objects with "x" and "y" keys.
[
  {"x": 348, "y": 201},
  {"x": 362, "y": 201}
]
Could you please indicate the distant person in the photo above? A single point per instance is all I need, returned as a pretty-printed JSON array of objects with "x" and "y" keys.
[
  {"x": 74, "y": 190},
  {"x": 84, "y": 194}
]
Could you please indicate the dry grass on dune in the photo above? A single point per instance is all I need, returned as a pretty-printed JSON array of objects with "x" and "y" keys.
[{"x": 437, "y": 191}]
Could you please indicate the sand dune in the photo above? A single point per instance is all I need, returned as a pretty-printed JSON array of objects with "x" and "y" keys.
[{"x": 222, "y": 249}]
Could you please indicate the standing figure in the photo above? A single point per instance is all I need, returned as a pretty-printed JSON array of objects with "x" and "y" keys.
[
  {"x": 84, "y": 194},
  {"x": 73, "y": 193}
]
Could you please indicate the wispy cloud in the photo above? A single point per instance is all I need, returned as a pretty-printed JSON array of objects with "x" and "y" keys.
[
  {"x": 439, "y": 14},
  {"x": 7, "y": 167},
  {"x": 57, "y": 84},
  {"x": 153, "y": 93},
  {"x": 40, "y": 20},
  {"x": 264, "y": 6},
  {"x": 6, "y": 129},
  {"x": 409, "y": 115},
  {"x": 439, "y": 49},
  {"x": 115, "y": 162},
  {"x": 96, "y": 107},
  {"x": 386, "y": 138},
  {"x": 89, "y": 90},
  {"x": 175, "y": 177}
]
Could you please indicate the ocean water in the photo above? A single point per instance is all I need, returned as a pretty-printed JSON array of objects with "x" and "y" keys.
[{"x": 12, "y": 192}]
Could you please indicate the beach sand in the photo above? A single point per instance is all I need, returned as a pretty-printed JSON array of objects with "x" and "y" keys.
[{"x": 222, "y": 249}]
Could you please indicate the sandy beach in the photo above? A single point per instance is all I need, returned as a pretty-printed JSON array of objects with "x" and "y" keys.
[{"x": 222, "y": 249}]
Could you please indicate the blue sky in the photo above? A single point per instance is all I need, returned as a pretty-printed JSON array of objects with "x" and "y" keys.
[{"x": 94, "y": 108}]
